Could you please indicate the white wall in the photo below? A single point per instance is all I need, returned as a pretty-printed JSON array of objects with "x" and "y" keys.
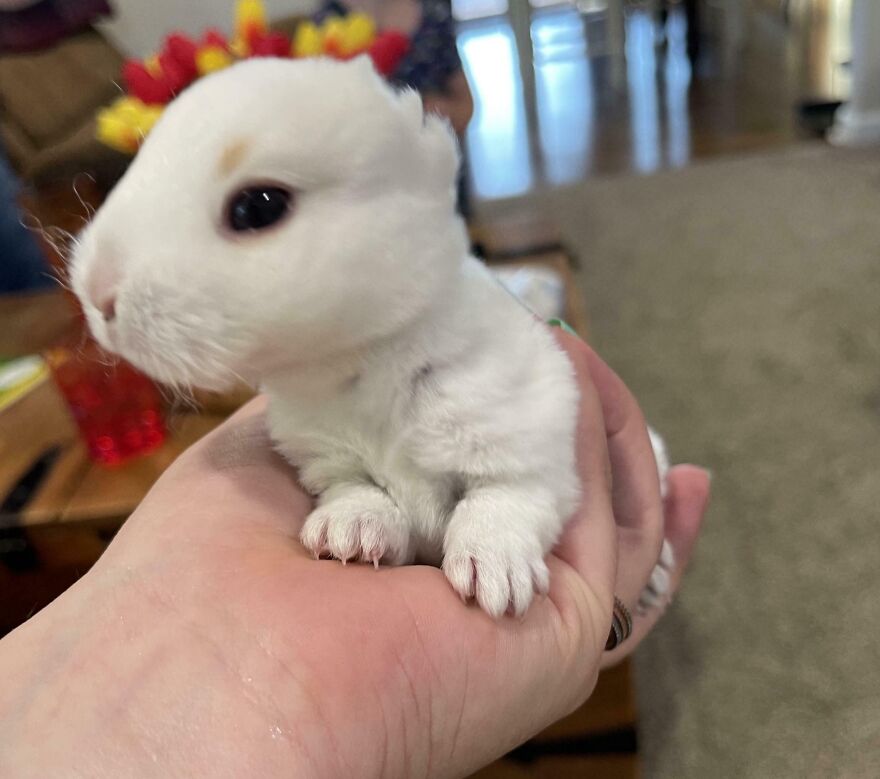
[
  {"x": 139, "y": 25},
  {"x": 857, "y": 123}
]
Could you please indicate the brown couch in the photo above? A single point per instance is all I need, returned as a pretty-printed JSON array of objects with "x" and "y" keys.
[{"x": 48, "y": 101}]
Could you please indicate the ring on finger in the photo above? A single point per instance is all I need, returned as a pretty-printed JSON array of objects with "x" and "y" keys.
[{"x": 621, "y": 625}]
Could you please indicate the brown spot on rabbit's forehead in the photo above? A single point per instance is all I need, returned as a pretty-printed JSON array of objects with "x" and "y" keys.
[{"x": 232, "y": 157}]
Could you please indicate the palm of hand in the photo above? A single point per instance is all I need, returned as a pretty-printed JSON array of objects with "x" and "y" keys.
[{"x": 392, "y": 655}]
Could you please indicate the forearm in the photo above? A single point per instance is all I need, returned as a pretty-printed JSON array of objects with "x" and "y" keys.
[
  {"x": 115, "y": 681},
  {"x": 51, "y": 691}
]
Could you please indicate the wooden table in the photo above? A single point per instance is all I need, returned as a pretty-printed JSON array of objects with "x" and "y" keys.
[
  {"x": 33, "y": 322},
  {"x": 77, "y": 490},
  {"x": 80, "y": 504},
  {"x": 558, "y": 261},
  {"x": 516, "y": 236}
]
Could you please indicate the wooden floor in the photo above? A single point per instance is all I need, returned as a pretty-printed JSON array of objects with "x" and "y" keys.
[{"x": 588, "y": 114}]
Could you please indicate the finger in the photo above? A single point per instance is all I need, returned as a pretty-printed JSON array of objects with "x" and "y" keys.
[
  {"x": 636, "y": 501},
  {"x": 635, "y": 483},
  {"x": 686, "y": 504},
  {"x": 685, "y": 509},
  {"x": 589, "y": 541}
]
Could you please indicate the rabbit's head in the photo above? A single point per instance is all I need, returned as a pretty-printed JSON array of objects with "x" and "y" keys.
[{"x": 281, "y": 212}]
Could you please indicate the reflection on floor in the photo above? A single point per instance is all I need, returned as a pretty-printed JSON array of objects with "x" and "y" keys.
[
  {"x": 497, "y": 138},
  {"x": 585, "y": 118}
]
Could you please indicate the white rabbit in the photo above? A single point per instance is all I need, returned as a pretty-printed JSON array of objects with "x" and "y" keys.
[{"x": 292, "y": 223}]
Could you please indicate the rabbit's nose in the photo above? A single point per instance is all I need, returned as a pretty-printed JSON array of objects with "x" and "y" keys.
[
  {"x": 102, "y": 286},
  {"x": 107, "y": 307}
]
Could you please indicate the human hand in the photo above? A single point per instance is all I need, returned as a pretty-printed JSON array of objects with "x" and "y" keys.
[
  {"x": 206, "y": 642},
  {"x": 640, "y": 529}
]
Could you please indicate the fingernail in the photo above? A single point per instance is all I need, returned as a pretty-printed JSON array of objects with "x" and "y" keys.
[{"x": 563, "y": 325}]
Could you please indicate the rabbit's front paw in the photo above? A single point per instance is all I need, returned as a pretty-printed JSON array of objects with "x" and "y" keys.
[
  {"x": 658, "y": 590},
  {"x": 357, "y": 523},
  {"x": 502, "y": 571}
]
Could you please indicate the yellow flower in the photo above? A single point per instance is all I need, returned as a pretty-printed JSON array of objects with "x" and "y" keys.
[
  {"x": 333, "y": 33},
  {"x": 250, "y": 18},
  {"x": 308, "y": 41},
  {"x": 212, "y": 58},
  {"x": 250, "y": 15},
  {"x": 240, "y": 48},
  {"x": 360, "y": 30},
  {"x": 124, "y": 125}
]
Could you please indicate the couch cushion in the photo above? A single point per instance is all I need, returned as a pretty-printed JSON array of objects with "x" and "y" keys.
[
  {"x": 27, "y": 26},
  {"x": 48, "y": 95}
]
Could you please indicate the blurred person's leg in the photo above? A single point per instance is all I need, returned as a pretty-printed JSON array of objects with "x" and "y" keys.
[
  {"x": 22, "y": 264},
  {"x": 692, "y": 10}
]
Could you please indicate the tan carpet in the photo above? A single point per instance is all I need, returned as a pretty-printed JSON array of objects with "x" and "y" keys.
[{"x": 741, "y": 301}]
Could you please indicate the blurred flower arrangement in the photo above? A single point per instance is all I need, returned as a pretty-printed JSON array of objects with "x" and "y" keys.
[{"x": 154, "y": 82}]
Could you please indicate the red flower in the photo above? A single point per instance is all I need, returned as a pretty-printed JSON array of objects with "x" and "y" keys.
[
  {"x": 172, "y": 71},
  {"x": 251, "y": 32},
  {"x": 214, "y": 37},
  {"x": 143, "y": 85},
  {"x": 181, "y": 50},
  {"x": 273, "y": 44},
  {"x": 388, "y": 50}
]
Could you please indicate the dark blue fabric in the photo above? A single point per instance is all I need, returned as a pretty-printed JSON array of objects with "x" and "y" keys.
[
  {"x": 432, "y": 58},
  {"x": 22, "y": 265}
]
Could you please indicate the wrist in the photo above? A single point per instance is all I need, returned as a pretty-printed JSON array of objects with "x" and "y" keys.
[{"x": 115, "y": 678}]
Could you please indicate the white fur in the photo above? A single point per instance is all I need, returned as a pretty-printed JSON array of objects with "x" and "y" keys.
[
  {"x": 452, "y": 441},
  {"x": 428, "y": 411},
  {"x": 430, "y": 414},
  {"x": 658, "y": 590}
]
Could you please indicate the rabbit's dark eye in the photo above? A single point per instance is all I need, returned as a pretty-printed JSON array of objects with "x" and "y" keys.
[{"x": 258, "y": 207}]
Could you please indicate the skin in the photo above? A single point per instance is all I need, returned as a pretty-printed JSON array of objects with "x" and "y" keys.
[{"x": 206, "y": 642}]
